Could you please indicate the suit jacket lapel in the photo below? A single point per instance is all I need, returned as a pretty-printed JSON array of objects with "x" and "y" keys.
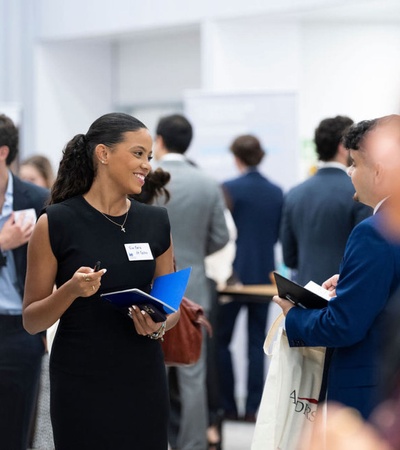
[{"x": 20, "y": 195}]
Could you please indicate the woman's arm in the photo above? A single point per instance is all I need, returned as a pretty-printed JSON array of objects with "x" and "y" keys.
[{"x": 41, "y": 306}]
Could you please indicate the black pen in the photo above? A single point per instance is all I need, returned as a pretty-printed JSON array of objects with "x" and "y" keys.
[{"x": 96, "y": 267}]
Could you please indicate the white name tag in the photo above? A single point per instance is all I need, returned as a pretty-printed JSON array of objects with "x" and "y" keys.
[{"x": 138, "y": 252}]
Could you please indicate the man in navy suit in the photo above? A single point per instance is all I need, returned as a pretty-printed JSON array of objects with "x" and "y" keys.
[
  {"x": 351, "y": 324},
  {"x": 319, "y": 214},
  {"x": 256, "y": 206},
  {"x": 20, "y": 353}
]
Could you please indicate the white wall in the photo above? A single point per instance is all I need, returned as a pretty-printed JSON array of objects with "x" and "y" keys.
[
  {"x": 329, "y": 51},
  {"x": 255, "y": 53},
  {"x": 158, "y": 69},
  {"x": 18, "y": 24},
  {"x": 336, "y": 68},
  {"x": 349, "y": 69},
  {"x": 74, "y": 87},
  {"x": 72, "y": 19}
]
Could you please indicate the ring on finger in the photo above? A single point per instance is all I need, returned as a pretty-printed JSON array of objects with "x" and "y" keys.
[{"x": 87, "y": 279}]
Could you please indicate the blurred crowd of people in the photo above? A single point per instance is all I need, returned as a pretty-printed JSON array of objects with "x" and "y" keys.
[{"x": 338, "y": 228}]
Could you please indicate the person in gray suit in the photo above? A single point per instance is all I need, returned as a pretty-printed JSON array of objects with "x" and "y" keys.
[
  {"x": 198, "y": 226},
  {"x": 320, "y": 213}
]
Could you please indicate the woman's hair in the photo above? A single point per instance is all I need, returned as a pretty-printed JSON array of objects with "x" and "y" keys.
[
  {"x": 77, "y": 169},
  {"x": 154, "y": 187},
  {"x": 247, "y": 148},
  {"x": 43, "y": 166}
]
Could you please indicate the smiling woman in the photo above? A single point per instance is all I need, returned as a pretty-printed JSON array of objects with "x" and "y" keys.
[
  {"x": 126, "y": 164},
  {"x": 91, "y": 218}
]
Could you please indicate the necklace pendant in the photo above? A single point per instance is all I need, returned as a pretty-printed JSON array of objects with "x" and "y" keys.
[{"x": 123, "y": 229}]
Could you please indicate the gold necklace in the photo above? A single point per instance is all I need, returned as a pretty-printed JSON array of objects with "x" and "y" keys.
[{"x": 115, "y": 223}]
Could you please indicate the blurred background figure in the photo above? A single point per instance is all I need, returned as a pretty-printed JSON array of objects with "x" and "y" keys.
[
  {"x": 20, "y": 353},
  {"x": 219, "y": 271},
  {"x": 154, "y": 187},
  {"x": 37, "y": 170},
  {"x": 386, "y": 417},
  {"x": 319, "y": 214},
  {"x": 198, "y": 227},
  {"x": 256, "y": 206},
  {"x": 342, "y": 429}
]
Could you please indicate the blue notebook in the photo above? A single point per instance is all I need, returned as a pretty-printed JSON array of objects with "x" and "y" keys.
[{"x": 164, "y": 297}]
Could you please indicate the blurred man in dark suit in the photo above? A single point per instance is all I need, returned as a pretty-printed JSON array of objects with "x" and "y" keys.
[
  {"x": 20, "y": 353},
  {"x": 256, "y": 206},
  {"x": 319, "y": 214}
]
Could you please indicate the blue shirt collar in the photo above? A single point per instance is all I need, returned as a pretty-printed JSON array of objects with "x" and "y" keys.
[{"x": 9, "y": 197}]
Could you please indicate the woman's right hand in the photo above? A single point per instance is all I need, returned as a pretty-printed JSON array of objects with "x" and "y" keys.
[
  {"x": 86, "y": 281},
  {"x": 42, "y": 305}
]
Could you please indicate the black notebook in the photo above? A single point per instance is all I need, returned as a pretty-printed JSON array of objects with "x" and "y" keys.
[
  {"x": 298, "y": 294},
  {"x": 164, "y": 298}
]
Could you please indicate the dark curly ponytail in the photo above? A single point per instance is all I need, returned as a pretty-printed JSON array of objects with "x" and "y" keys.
[
  {"x": 154, "y": 187},
  {"x": 77, "y": 169}
]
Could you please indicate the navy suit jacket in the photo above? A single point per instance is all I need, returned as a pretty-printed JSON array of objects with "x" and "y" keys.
[
  {"x": 318, "y": 217},
  {"x": 256, "y": 207},
  {"x": 351, "y": 324},
  {"x": 26, "y": 195}
]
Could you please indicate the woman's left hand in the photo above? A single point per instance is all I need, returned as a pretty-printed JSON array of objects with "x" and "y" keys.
[{"x": 144, "y": 324}]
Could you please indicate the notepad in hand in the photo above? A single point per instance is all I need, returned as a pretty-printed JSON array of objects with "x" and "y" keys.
[
  {"x": 164, "y": 297},
  {"x": 299, "y": 295}
]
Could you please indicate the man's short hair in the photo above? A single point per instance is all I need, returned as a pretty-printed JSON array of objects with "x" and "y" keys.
[
  {"x": 176, "y": 131},
  {"x": 328, "y": 136},
  {"x": 354, "y": 136},
  {"x": 9, "y": 137},
  {"x": 247, "y": 149}
]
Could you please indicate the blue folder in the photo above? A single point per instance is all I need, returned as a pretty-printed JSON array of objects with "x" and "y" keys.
[{"x": 164, "y": 297}]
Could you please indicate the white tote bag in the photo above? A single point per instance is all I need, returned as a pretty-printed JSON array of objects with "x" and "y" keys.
[{"x": 291, "y": 391}]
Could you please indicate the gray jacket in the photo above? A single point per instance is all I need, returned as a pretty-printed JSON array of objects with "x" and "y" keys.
[{"x": 198, "y": 226}]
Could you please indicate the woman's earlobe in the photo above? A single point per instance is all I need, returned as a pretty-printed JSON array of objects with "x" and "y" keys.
[{"x": 101, "y": 153}]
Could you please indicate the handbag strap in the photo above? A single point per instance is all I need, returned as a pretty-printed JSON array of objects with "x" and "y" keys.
[
  {"x": 196, "y": 314},
  {"x": 272, "y": 333}
]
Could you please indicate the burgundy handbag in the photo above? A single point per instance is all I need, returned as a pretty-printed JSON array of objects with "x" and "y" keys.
[{"x": 182, "y": 343}]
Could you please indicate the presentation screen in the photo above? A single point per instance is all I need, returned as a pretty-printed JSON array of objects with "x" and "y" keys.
[{"x": 218, "y": 118}]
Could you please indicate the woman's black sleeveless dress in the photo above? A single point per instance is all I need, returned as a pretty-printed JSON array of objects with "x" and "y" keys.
[{"x": 108, "y": 384}]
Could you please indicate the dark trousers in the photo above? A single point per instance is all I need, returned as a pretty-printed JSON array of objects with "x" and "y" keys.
[
  {"x": 256, "y": 324},
  {"x": 215, "y": 410},
  {"x": 20, "y": 365}
]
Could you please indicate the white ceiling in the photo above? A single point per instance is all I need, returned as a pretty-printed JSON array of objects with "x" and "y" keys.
[
  {"x": 351, "y": 10},
  {"x": 145, "y": 24}
]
